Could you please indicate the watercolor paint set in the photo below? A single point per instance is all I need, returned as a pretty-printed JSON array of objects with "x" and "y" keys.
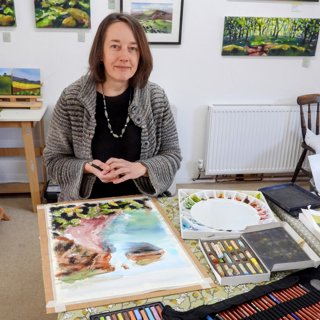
[
  {"x": 152, "y": 311},
  {"x": 259, "y": 250},
  {"x": 204, "y": 213}
]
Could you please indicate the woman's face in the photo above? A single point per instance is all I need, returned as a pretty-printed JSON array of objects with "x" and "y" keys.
[{"x": 120, "y": 53}]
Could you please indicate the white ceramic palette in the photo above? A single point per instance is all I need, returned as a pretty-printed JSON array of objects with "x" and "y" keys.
[{"x": 205, "y": 213}]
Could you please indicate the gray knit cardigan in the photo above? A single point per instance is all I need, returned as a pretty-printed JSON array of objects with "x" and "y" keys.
[{"x": 72, "y": 127}]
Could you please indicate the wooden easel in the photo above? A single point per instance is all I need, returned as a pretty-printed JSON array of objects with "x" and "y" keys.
[{"x": 16, "y": 101}]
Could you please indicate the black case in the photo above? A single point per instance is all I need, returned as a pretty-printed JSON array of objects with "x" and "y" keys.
[
  {"x": 301, "y": 277},
  {"x": 291, "y": 198}
]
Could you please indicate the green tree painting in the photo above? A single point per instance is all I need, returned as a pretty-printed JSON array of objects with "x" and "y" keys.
[
  {"x": 7, "y": 13},
  {"x": 256, "y": 36}
]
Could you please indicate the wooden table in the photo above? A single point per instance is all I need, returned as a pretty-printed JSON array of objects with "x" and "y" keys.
[{"x": 26, "y": 119}]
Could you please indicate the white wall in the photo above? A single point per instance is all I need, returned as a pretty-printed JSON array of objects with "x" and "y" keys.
[{"x": 194, "y": 74}]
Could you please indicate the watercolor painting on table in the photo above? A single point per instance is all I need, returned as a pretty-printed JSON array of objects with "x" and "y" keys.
[{"x": 101, "y": 251}]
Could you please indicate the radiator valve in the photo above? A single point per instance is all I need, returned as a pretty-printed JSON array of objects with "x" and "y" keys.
[{"x": 200, "y": 164}]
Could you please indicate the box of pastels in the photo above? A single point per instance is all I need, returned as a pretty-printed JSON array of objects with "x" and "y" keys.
[
  {"x": 204, "y": 213},
  {"x": 259, "y": 250}
]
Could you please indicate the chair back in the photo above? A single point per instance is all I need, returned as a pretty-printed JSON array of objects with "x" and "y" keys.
[{"x": 306, "y": 102}]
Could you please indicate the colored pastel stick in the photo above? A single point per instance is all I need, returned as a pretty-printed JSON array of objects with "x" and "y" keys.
[
  {"x": 155, "y": 313},
  {"x": 137, "y": 314},
  {"x": 108, "y": 318},
  {"x": 102, "y": 318},
  {"x": 144, "y": 315},
  {"x": 209, "y": 318},
  {"x": 119, "y": 316},
  {"x": 126, "y": 315},
  {"x": 149, "y": 313},
  {"x": 131, "y": 315},
  {"x": 114, "y": 317},
  {"x": 159, "y": 309}
]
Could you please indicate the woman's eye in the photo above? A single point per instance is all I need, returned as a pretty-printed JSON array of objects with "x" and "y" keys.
[
  {"x": 114, "y": 46},
  {"x": 133, "y": 49}
]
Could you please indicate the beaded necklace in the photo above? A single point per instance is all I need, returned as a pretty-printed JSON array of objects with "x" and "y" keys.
[{"x": 107, "y": 116}]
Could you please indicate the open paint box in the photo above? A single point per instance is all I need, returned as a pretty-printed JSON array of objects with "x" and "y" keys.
[
  {"x": 204, "y": 213},
  {"x": 259, "y": 250}
]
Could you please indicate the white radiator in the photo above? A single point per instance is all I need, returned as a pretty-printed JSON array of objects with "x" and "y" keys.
[{"x": 245, "y": 139}]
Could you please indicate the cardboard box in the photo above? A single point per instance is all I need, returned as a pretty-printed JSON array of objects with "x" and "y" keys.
[
  {"x": 204, "y": 213},
  {"x": 260, "y": 250},
  {"x": 311, "y": 219}
]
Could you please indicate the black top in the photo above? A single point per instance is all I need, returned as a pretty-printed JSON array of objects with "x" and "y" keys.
[{"x": 105, "y": 146}]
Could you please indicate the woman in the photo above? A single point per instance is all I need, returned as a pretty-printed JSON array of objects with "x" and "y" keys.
[{"x": 112, "y": 132}]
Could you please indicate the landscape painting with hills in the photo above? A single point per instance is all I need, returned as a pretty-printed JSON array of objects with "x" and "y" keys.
[
  {"x": 154, "y": 17},
  {"x": 20, "y": 81}
]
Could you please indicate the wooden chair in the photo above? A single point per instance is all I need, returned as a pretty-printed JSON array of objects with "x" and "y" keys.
[{"x": 306, "y": 102}]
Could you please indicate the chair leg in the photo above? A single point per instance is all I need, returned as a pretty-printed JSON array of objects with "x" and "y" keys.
[{"x": 299, "y": 165}]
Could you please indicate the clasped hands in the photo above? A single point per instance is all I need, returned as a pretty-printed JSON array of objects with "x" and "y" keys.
[{"x": 115, "y": 170}]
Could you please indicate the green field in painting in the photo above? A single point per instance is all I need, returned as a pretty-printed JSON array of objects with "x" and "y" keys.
[
  {"x": 154, "y": 21},
  {"x": 156, "y": 26},
  {"x": 26, "y": 88},
  {"x": 251, "y": 36},
  {"x": 5, "y": 85}
]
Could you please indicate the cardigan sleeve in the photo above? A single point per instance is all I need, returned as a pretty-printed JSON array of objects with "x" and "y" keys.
[
  {"x": 62, "y": 164},
  {"x": 164, "y": 163}
]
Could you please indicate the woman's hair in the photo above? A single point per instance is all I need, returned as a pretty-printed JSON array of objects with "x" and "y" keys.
[{"x": 96, "y": 67}]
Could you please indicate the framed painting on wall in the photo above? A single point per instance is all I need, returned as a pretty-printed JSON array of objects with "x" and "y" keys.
[
  {"x": 112, "y": 250},
  {"x": 7, "y": 14},
  {"x": 161, "y": 19},
  {"x": 62, "y": 14},
  {"x": 260, "y": 36}
]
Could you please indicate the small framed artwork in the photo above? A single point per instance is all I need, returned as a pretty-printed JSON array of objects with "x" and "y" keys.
[
  {"x": 62, "y": 14},
  {"x": 161, "y": 19},
  {"x": 7, "y": 14},
  {"x": 5, "y": 81}
]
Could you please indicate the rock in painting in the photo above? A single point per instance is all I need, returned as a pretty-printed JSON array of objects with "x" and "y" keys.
[
  {"x": 72, "y": 257},
  {"x": 144, "y": 253}
]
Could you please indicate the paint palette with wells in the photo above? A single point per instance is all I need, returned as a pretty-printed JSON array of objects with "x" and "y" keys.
[{"x": 204, "y": 213}]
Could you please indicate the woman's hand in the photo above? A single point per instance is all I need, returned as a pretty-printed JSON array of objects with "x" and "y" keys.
[
  {"x": 115, "y": 170},
  {"x": 122, "y": 170}
]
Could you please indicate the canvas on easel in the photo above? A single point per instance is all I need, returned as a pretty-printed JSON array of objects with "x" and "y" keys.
[{"x": 112, "y": 250}]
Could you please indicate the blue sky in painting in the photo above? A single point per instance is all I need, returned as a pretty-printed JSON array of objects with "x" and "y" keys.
[
  {"x": 144, "y": 6},
  {"x": 30, "y": 74},
  {"x": 5, "y": 71}
]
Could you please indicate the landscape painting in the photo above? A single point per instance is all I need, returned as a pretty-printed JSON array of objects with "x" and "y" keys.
[
  {"x": 161, "y": 19},
  {"x": 100, "y": 251},
  {"x": 7, "y": 13},
  {"x": 26, "y": 82},
  {"x": 62, "y": 14},
  {"x": 259, "y": 36},
  {"x": 5, "y": 81}
]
